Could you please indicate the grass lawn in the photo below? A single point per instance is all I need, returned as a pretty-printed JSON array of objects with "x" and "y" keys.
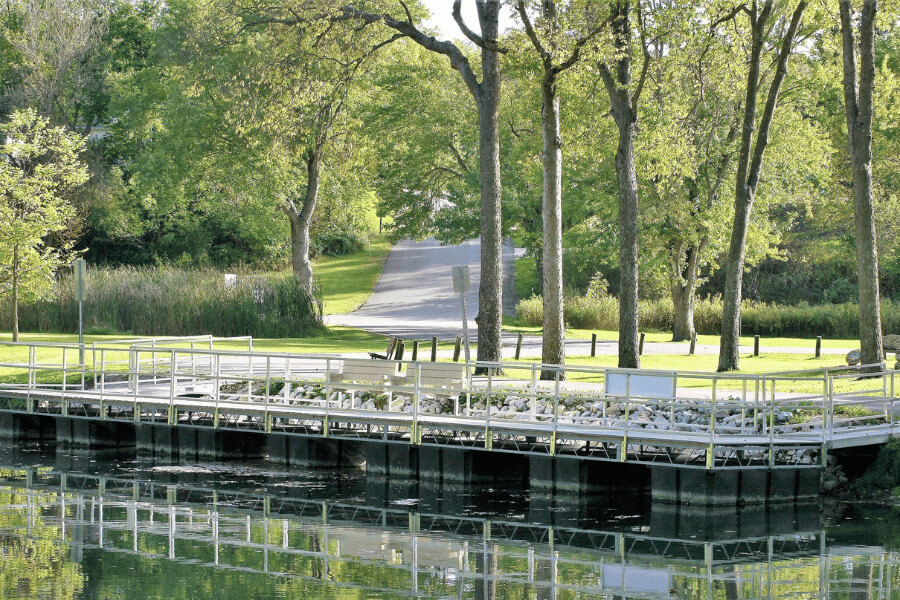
[
  {"x": 666, "y": 336},
  {"x": 345, "y": 282}
]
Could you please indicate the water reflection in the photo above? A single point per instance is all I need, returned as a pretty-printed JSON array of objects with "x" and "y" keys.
[{"x": 165, "y": 531}]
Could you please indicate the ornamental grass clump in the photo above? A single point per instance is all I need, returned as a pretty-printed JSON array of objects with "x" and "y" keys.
[{"x": 172, "y": 301}]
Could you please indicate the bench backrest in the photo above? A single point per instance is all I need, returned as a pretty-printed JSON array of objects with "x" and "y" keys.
[
  {"x": 448, "y": 375},
  {"x": 368, "y": 370}
]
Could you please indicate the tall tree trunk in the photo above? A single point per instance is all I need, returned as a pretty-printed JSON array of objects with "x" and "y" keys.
[
  {"x": 859, "y": 107},
  {"x": 15, "y": 293},
  {"x": 301, "y": 218},
  {"x": 750, "y": 161},
  {"x": 553, "y": 348},
  {"x": 490, "y": 288},
  {"x": 683, "y": 313},
  {"x": 623, "y": 106},
  {"x": 628, "y": 246}
]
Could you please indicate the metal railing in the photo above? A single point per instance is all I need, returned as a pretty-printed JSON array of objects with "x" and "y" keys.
[{"x": 717, "y": 420}]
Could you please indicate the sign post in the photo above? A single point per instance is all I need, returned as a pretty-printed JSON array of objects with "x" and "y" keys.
[
  {"x": 461, "y": 285},
  {"x": 80, "y": 272}
]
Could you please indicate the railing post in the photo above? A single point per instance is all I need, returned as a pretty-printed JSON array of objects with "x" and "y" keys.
[
  {"x": 266, "y": 425},
  {"x": 286, "y": 390},
  {"x": 711, "y": 451},
  {"x": 772, "y": 426},
  {"x": 414, "y": 435},
  {"x": 555, "y": 413},
  {"x": 134, "y": 360},
  {"x": 327, "y": 394},
  {"x": 102, "y": 382},
  {"x": 32, "y": 378},
  {"x": 623, "y": 449},
  {"x": 218, "y": 390},
  {"x": 173, "y": 367},
  {"x": 65, "y": 402},
  {"x": 534, "y": 399},
  {"x": 488, "y": 439}
]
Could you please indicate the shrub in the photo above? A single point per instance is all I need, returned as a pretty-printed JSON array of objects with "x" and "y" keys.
[
  {"x": 884, "y": 474},
  {"x": 170, "y": 301},
  {"x": 830, "y": 320},
  {"x": 337, "y": 243}
]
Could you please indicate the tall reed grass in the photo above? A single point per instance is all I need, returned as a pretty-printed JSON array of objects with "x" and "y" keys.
[
  {"x": 171, "y": 301},
  {"x": 831, "y": 320}
]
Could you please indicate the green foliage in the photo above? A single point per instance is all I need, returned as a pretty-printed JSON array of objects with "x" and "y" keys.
[
  {"x": 171, "y": 301},
  {"x": 39, "y": 167},
  {"x": 337, "y": 243},
  {"x": 884, "y": 474},
  {"x": 602, "y": 313}
]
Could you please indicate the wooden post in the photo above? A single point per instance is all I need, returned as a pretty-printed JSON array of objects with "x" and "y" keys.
[
  {"x": 457, "y": 348},
  {"x": 641, "y": 344},
  {"x": 398, "y": 355},
  {"x": 818, "y": 346},
  {"x": 756, "y": 345},
  {"x": 518, "y": 346},
  {"x": 593, "y": 345},
  {"x": 415, "y": 354},
  {"x": 693, "y": 344},
  {"x": 434, "y": 349}
]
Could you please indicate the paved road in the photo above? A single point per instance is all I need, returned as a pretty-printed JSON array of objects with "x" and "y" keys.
[{"x": 414, "y": 299}]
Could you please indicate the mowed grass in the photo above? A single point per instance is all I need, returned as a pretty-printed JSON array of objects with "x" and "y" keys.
[
  {"x": 704, "y": 340},
  {"x": 346, "y": 282}
]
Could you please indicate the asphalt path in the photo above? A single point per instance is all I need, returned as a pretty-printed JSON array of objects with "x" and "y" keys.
[{"x": 414, "y": 299}]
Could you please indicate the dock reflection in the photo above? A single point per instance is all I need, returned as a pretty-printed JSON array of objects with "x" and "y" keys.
[{"x": 347, "y": 535}]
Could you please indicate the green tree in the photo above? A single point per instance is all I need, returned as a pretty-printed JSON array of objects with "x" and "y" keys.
[
  {"x": 39, "y": 168},
  {"x": 765, "y": 35},
  {"x": 557, "y": 52}
]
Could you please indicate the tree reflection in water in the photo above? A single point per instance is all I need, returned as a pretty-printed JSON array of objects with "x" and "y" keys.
[{"x": 68, "y": 534}]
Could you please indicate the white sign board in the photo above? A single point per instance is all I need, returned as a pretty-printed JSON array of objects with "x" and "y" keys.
[
  {"x": 461, "y": 282},
  {"x": 638, "y": 580},
  {"x": 80, "y": 274},
  {"x": 661, "y": 385}
]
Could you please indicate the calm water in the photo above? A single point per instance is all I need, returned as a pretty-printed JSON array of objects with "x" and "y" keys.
[{"x": 88, "y": 527}]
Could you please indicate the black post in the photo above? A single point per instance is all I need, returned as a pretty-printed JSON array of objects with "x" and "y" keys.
[
  {"x": 457, "y": 348},
  {"x": 641, "y": 344},
  {"x": 518, "y": 346},
  {"x": 398, "y": 355},
  {"x": 756, "y": 345},
  {"x": 593, "y": 345},
  {"x": 818, "y": 346},
  {"x": 415, "y": 355},
  {"x": 693, "y": 343},
  {"x": 434, "y": 349}
]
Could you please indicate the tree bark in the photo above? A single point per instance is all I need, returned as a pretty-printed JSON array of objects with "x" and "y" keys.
[
  {"x": 684, "y": 290},
  {"x": 623, "y": 106},
  {"x": 301, "y": 218},
  {"x": 553, "y": 347},
  {"x": 750, "y": 161},
  {"x": 490, "y": 287},
  {"x": 628, "y": 246},
  {"x": 859, "y": 108},
  {"x": 15, "y": 294}
]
